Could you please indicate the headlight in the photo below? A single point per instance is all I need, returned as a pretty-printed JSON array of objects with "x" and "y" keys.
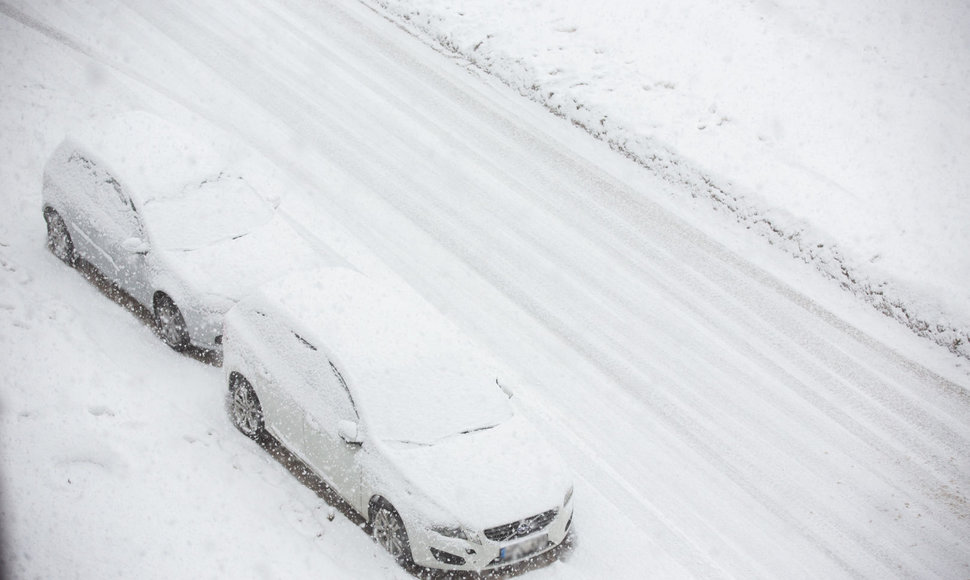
[
  {"x": 451, "y": 532},
  {"x": 569, "y": 496}
]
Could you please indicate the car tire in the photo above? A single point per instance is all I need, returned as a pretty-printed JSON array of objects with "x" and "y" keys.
[
  {"x": 389, "y": 532},
  {"x": 244, "y": 408},
  {"x": 59, "y": 240},
  {"x": 169, "y": 323}
]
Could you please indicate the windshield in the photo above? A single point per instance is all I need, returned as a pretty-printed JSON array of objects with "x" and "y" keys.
[
  {"x": 215, "y": 210},
  {"x": 447, "y": 401}
]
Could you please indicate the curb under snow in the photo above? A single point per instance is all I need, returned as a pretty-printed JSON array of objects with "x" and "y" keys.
[{"x": 798, "y": 241}]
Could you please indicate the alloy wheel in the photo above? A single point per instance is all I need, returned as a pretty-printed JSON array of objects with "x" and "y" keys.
[
  {"x": 171, "y": 324},
  {"x": 58, "y": 238},
  {"x": 390, "y": 534},
  {"x": 245, "y": 409}
]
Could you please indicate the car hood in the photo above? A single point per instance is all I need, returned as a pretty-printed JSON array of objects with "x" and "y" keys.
[
  {"x": 486, "y": 478},
  {"x": 233, "y": 268}
]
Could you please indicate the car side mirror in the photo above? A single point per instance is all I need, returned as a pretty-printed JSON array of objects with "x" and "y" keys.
[
  {"x": 136, "y": 245},
  {"x": 349, "y": 432}
]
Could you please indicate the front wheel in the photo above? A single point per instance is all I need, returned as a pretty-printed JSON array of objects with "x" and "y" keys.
[
  {"x": 244, "y": 408},
  {"x": 170, "y": 323},
  {"x": 389, "y": 532},
  {"x": 59, "y": 240}
]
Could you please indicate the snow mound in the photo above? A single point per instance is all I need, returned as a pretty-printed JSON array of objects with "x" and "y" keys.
[{"x": 835, "y": 131}]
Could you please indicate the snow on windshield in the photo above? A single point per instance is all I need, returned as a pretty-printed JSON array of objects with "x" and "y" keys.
[
  {"x": 217, "y": 209},
  {"x": 440, "y": 394}
]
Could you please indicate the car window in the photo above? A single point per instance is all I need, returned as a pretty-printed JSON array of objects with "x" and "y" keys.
[
  {"x": 327, "y": 394},
  {"x": 80, "y": 177},
  {"x": 119, "y": 205},
  {"x": 343, "y": 385},
  {"x": 103, "y": 191}
]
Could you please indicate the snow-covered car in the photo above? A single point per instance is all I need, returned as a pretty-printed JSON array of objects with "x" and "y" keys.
[
  {"x": 184, "y": 227},
  {"x": 400, "y": 414}
]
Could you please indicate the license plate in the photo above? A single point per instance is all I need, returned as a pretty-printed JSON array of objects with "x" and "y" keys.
[{"x": 523, "y": 549}]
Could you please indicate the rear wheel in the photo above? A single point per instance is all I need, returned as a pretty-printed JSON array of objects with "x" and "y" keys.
[
  {"x": 58, "y": 238},
  {"x": 170, "y": 323},
  {"x": 389, "y": 532},
  {"x": 244, "y": 408}
]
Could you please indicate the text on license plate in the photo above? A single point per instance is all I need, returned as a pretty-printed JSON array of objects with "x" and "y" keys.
[{"x": 523, "y": 549}]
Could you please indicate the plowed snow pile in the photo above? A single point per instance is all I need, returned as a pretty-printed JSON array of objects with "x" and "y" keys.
[{"x": 839, "y": 131}]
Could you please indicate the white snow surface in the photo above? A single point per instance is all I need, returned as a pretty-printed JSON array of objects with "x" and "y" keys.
[
  {"x": 725, "y": 411},
  {"x": 840, "y": 131}
]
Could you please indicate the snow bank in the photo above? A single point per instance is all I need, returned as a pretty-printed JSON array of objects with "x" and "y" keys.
[{"x": 836, "y": 131}]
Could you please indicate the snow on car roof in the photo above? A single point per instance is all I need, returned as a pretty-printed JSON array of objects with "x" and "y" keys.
[
  {"x": 150, "y": 155},
  {"x": 415, "y": 375}
]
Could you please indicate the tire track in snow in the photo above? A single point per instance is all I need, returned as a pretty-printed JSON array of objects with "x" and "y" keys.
[
  {"x": 449, "y": 223},
  {"x": 433, "y": 226},
  {"x": 428, "y": 228}
]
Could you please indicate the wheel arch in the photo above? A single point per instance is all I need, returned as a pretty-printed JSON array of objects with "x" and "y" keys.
[
  {"x": 376, "y": 501},
  {"x": 158, "y": 294},
  {"x": 236, "y": 375}
]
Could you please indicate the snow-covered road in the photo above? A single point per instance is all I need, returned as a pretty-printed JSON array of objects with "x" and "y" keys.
[{"x": 725, "y": 415}]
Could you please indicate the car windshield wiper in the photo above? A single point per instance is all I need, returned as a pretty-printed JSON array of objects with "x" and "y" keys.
[
  {"x": 477, "y": 429},
  {"x": 406, "y": 443},
  {"x": 210, "y": 244}
]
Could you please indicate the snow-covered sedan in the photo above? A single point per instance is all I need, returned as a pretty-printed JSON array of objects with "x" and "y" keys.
[
  {"x": 400, "y": 414},
  {"x": 184, "y": 227}
]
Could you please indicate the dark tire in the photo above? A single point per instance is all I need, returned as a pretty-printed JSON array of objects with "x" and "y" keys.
[
  {"x": 245, "y": 410},
  {"x": 170, "y": 323},
  {"x": 389, "y": 532},
  {"x": 59, "y": 240}
]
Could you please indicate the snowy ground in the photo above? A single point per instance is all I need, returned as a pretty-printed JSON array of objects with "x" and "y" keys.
[
  {"x": 725, "y": 416},
  {"x": 839, "y": 131}
]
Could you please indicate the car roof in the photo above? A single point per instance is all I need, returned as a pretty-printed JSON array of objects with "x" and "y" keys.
[
  {"x": 341, "y": 306},
  {"x": 149, "y": 155},
  {"x": 396, "y": 350}
]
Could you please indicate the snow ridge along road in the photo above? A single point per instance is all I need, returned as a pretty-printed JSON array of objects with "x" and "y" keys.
[
  {"x": 721, "y": 422},
  {"x": 753, "y": 109}
]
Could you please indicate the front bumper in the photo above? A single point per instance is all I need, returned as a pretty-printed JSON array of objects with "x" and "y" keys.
[{"x": 433, "y": 550}]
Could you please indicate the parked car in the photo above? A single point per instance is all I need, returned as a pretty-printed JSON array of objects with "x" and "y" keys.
[
  {"x": 184, "y": 227},
  {"x": 400, "y": 414}
]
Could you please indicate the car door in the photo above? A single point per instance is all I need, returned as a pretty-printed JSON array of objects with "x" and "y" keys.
[
  {"x": 270, "y": 365},
  {"x": 86, "y": 214},
  {"x": 326, "y": 401},
  {"x": 105, "y": 216},
  {"x": 124, "y": 235}
]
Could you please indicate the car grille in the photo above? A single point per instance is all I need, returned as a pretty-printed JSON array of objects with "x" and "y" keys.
[{"x": 521, "y": 528}]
